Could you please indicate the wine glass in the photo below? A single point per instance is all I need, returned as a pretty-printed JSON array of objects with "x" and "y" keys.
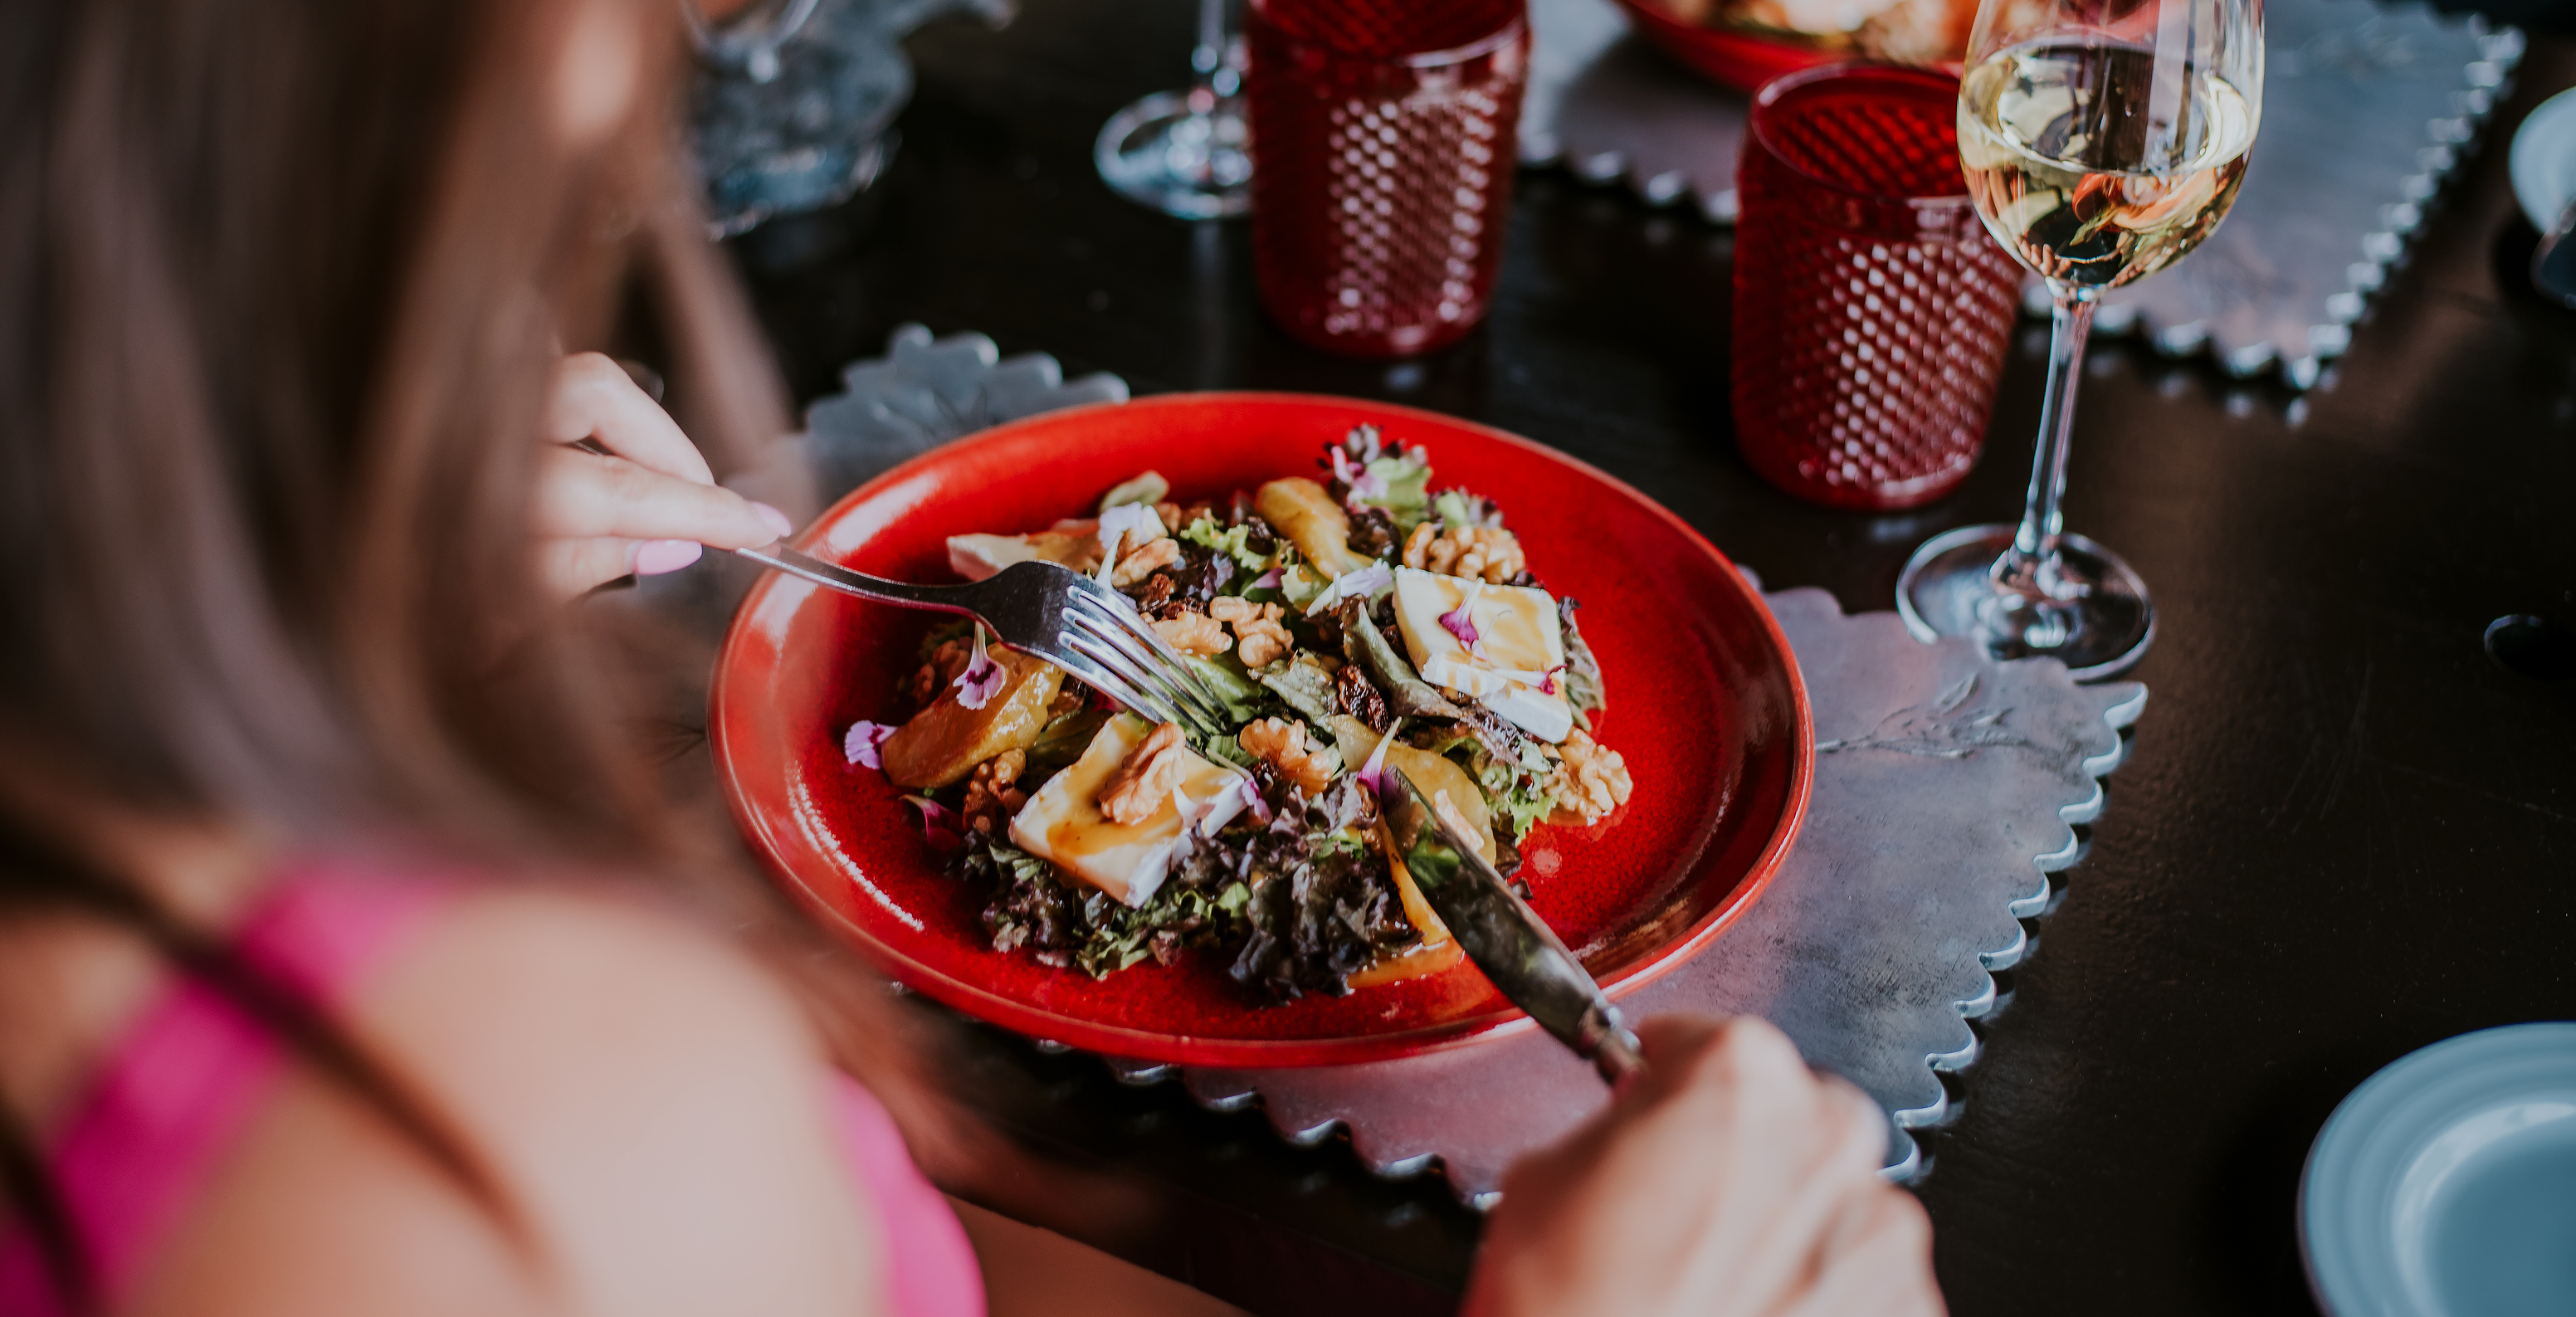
[
  {"x": 2102, "y": 140},
  {"x": 1186, "y": 153},
  {"x": 750, "y": 42}
]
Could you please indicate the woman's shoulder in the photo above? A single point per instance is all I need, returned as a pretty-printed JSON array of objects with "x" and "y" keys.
[{"x": 650, "y": 1103}]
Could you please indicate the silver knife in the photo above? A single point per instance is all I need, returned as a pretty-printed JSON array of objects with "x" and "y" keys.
[{"x": 1507, "y": 940}]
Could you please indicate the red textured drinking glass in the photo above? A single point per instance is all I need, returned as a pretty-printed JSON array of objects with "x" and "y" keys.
[
  {"x": 1383, "y": 142},
  {"x": 1871, "y": 307}
]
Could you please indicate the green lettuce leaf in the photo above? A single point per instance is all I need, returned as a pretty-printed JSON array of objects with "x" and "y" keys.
[{"x": 1207, "y": 534}]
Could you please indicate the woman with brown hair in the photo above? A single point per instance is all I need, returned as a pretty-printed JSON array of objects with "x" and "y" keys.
[{"x": 329, "y": 976}]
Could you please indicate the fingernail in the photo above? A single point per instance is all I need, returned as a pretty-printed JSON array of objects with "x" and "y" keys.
[
  {"x": 774, "y": 519},
  {"x": 654, "y": 557}
]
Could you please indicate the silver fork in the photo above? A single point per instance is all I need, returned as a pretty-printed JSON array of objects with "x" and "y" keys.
[{"x": 1054, "y": 612}]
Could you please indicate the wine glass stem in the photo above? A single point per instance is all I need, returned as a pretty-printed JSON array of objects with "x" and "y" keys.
[
  {"x": 2030, "y": 567},
  {"x": 1207, "y": 58}
]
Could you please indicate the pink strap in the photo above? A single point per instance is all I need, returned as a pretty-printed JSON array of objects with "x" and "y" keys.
[
  {"x": 190, "y": 1076},
  {"x": 930, "y": 1267}
]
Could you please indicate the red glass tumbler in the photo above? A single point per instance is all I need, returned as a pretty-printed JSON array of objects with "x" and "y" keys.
[
  {"x": 1871, "y": 308},
  {"x": 1384, "y": 136}
]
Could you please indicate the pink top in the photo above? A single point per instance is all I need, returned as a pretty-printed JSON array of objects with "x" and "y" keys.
[{"x": 187, "y": 1080}]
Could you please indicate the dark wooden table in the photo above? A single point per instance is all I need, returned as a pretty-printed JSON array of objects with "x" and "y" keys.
[{"x": 2345, "y": 832}]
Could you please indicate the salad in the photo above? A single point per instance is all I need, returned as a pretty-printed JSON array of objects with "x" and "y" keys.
[{"x": 1351, "y": 622}]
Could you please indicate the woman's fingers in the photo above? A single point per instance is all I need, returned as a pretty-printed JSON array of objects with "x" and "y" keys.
[
  {"x": 646, "y": 504},
  {"x": 575, "y": 567},
  {"x": 584, "y": 495},
  {"x": 1878, "y": 1263},
  {"x": 593, "y": 398}
]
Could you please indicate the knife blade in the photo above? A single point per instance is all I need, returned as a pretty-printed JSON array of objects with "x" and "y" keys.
[{"x": 1517, "y": 951}]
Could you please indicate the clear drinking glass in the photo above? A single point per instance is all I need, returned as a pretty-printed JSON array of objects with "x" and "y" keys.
[
  {"x": 2102, "y": 140},
  {"x": 1186, "y": 153}
]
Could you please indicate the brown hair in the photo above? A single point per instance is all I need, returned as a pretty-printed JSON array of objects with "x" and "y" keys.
[{"x": 281, "y": 285}]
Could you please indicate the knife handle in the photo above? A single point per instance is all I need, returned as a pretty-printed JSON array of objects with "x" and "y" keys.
[
  {"x": 1603, "y": 1038},
  {"x": 1617, "y": 1057}
]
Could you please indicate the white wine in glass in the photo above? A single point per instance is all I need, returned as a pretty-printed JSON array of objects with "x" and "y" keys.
[{"x": 2102, "y": 141}]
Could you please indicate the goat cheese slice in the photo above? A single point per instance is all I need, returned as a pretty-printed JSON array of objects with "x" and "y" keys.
[
  {"x": 1063, "y": 824},
  {"x": 1519, "y": 652}
]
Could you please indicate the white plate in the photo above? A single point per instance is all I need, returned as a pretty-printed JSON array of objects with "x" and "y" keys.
[
  {"x": 2445, "y": 1186},
  {"x": 2543, "y": 161}
]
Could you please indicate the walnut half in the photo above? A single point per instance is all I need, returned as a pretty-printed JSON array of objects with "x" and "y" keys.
[
  {"x": 1140, "y": 786},
  {"x": 1591, "y": 781},
  {"x": 991, "y": 796},
  {"x": 1283, "y": 744},
  {"x": 1137, "y": 564},
  {"x": 1261, "y": 638},
  {"x": 1487, "y": 553},
  {"x": 1192, "y": 633}
]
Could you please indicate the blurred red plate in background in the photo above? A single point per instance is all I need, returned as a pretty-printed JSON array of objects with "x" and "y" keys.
[
  {"x": 1738, "y": 59},
  {"x": 1705, "y": 703}
]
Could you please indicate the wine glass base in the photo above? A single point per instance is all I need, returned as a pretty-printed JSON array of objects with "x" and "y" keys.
[
  {"x": 1194, "y": 163},
  {"x": 2099, "y": 624}
]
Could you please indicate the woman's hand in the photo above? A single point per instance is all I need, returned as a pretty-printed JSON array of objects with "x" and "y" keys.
[
  {"x": 645, "y": 506},
  {"x": 1728, "y": 1180}
]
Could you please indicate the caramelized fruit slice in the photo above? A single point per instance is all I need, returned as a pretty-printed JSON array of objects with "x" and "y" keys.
[
  {"x": 943, "y": 743},
  {"x": 1306, "y": 513}
]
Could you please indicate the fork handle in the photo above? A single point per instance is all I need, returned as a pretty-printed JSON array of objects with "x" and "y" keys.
[{"x": 943, "y": 598}]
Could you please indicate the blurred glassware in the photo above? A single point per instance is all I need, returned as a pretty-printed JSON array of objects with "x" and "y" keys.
[
  {"x": 1384, "y": 136},
  {"x": 1745, "y": 43},
  {"x": 749, "y": 42},
  {"x": 792, "y": 106},
  {"x": 1871, "y": 309},
  {"x": 1185, "y": 153},
  {"x": 2543, "y": 165},
  {"x": 2553, "y": 263},
  {"x": 2102, "y": 141}
]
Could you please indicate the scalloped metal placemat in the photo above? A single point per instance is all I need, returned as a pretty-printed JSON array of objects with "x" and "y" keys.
[
  {"x": 1944, "y": 795},
  {"x": 1946, "y": 790},
  {"x": 2367, "y": 108}
]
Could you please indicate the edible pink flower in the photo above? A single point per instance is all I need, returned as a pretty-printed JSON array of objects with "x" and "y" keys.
[
  {"x": 1457, "y": 623},
  {"x": 1461, "y": 621},
  {"x": 1252, "y": 800},
  {"x": 1364, "y": 483},
  {"x": 939, "y": 824},
  {"x": 982, "y": 679},
  {"x": 862, "y": 742},
  {"x": 1374, "y": 774},
  {"x": 1353, "y": 585}
]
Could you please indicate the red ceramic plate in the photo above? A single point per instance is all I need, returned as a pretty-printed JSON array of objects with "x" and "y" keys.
[
  {"x": 1742, "y": 60},
  {"x": 1705, "y": 704}
]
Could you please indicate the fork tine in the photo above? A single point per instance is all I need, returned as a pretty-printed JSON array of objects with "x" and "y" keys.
[
  {"x": 1149, "y": 697},
  {"x": 1154, "y": 656},
  {"x": 1148, "y": 670},
  {"x": 1145, "y": 667},
  {"x": 1121, "y": 666},
  {"x": 1081, "y": 665}
]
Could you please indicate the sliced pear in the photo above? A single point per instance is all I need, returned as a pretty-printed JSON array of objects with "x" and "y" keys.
[
  {"x": 1437, "y": 775},
  {"x": 1306, "y": 513}
]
